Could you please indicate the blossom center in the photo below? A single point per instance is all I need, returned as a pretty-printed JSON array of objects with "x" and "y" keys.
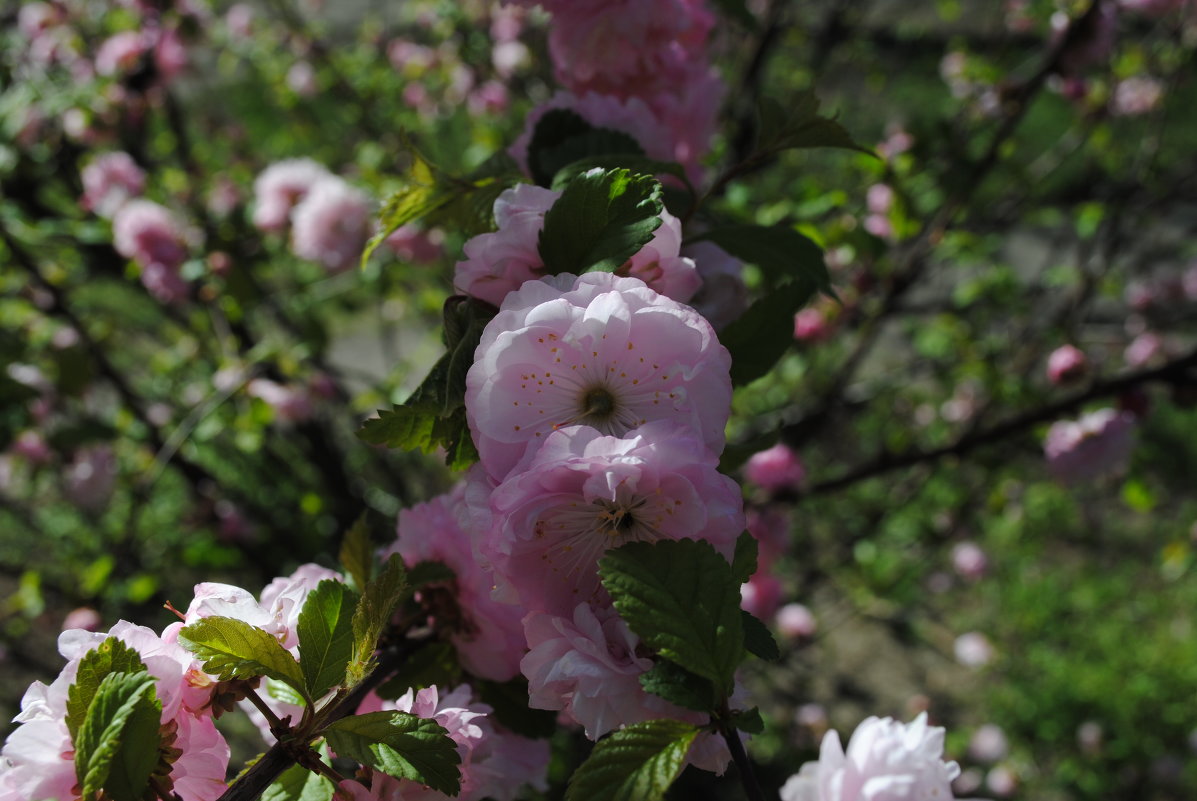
[{"x": 598, "y": 405}]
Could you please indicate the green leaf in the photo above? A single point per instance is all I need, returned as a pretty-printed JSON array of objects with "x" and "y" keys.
[
  {"x": 748, "y": 720},
  {"x": 399, "y": 745},
  {"x": 762, "y": 335},
  {"x": 744, "y": 559},
  {"x": 758, "y": 640},
  {"x": 562, "y": 137},
  {"x": 420, "y": 194},
  {"x": 281, "y": 691},
  {"x": 434, "y": 663},
  {"x": 681, "y": 598},
  {"x": 679, "y": 686},
  {"x": 782, "y": 253},
  {"x": 357, "y": 553},
  {"x": 233, "y": 649},
  {"x": 429, "y": 572},
  {"x": 634, "y": 764},
  {"x": 641, "y": 165},
  {"x": 601, "y": 219},
  {"x": 297, "y": 783},
  {"x": 110, "y": 656},
  {"x": 373, "y": 613},
  {"x": 117, "y": 745},
  {"x": 325, "y": 630},
  {"x": 797, "y": 125}
]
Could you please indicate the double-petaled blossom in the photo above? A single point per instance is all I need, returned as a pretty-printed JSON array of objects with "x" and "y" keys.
[
  {"x": 501, "y": 262},
  {"x": 110, "y": 181},
  {"x": 582, "y": 492},
  {"x": 488, "y": 635},
  {"x": 332, "y": 223},
  {"x": 279, "y": 187},
  {"x": 885, "y": 761},
  {"x": 595, "y": 350},
  {"x": 152, "y": 236}
]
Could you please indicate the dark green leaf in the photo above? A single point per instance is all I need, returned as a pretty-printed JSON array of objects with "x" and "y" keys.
[
  {"x": 325, "y": 630},
  {"x": 744, "y": 560},
  {"x": 681, "y": 598},
  {"x": 399, "y": 745},
  {"x": 429, "y": 573},
  {"x": 509, "y": 699},
  {"x": 110, "y": 656},
  {"x": 233, "y": 649},
  {"x": 434, "y": 663},
  {"x": 601, "y": 219},
  {"x": 562, "y": 137},
  {"x": 299, "y": 784},
  {"x": 797, "y": 125},
  {"x": 117, "y": 745},
  {"x": 641, "y": 165},
  {"x": 764, "y": 332},
  {"x": 782, "y": 253},
  {"x": 749, "y": 720},
  {"x": 758, "y": 640},
  {"x": 634, "y": 764},
  {"x": 679, "y": 686},
  {"x": 373, "y": 613},
  {"x": 357, "y": 553}
]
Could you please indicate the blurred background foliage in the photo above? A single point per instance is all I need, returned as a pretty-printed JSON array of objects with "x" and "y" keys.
[{"x": 1036, "y": 191}]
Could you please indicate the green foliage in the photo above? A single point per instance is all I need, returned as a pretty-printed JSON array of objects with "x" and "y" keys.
[
  {"x": 356, "y": 554},
  {"x": 326, "y": 635},
  {"x": 679, "y": 686},
  {"x": 782, "y": 254},
  {"x": 745, "y": 557},
  {"x": 110, "y": 656},
  {"x": 602, "y": 218},
  {"x": 797, "y": 125},
  {"x": 233, "y": 649},
  {"x": 561, "y": 138},
  {"x": 681, "y": 598},
  {"x": 399, "y": 745},
  {"x": 373, "y": 613},
  {"x": 641, "y": 165},
  {"x": 432, "y": 663},
  {"x": 758, "y": 640},
  {"x": 116, "y": 747},
  {"x": 762, "y": 335},
  {"x": 297, "y": 783},
  {"x": 637, "y": 763}
]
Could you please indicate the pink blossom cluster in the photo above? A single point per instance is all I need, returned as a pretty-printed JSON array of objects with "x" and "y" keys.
[
  {"x": 641, "y": 68},
  {"x": 152, "y": 236},
  {"x": 1097, "y": 444},
  {"x": 884, "y": 759},
  {"x": 500, "y": 262},
  {"x": 110, "y": 181},
  {"x": 38, "y": 758}
]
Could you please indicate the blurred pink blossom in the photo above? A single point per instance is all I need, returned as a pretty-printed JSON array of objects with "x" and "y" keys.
[
  {"x": 1066, "y": 364},
  {"x": 84, "y": 618},
  {"x": 761, "y": 595},
  {"x": 1144, "y": 349},
  {"x": 1135, "y": 95},
  {"x": 279, "y": 187},
  {"x": 120, "y": 53},
  {"x": 810, "y": 325},
  {"x": 988, "y": 744},
  {"x": 413, "y": 244},
  {"x": 332, "y": 223},
  {"x": 795, "y": 621},
  {"x": 109, "y": 181},
  {"x": 1096, "y": 444},
  {"x": 775, "y": 469},
  {"x": 973, "y": 649},
  {"x": 969, "y": 561}
]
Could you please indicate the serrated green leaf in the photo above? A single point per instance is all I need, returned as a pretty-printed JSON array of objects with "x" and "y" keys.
[
  {"x": 357, "y": 553},
  {"x": 281, "y": 691},
  {"x": 797, "y": 125},
  {"x": 641, "y": 165},
  {"x": 325, "y": 629},
  {"x": 233, "y": 649},
  {"x": 744, "y": 559},
  {"x": 297, "y": 783},
  {"x": 762, "y": 335},
  {"x": 400, "y": 745},
  {"x": 637, "y": 763},
  {"x": 117, "y": 745},
  {"x": 434, "y": 663},
  {"x": 110, "y": 656},
  {"x": 681, "y": 598},
  {"x": 562, "y": 137},
  {"x": 409, "y": 427},
  {"x": 679, "y": 686},
  {"x": 782, "y": 253},
  {"x": 429, "y": 572},
  {"x": 373, "y": 613},
  {"x": 601, "y": 219},
  {"x": 758, "y": 640}
]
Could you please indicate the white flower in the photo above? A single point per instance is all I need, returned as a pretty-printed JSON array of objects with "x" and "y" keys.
[{"x": 886, "y": 761}]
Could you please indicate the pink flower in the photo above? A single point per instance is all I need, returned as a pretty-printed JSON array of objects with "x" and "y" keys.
[
  {"x": 770, "y": 526},
  {"x": 332, "y": 223},
  {"x": 153, "y": 237},
  {"x": 1098, "y": 443},
  {"x": 415, "y": 245},
  {"x": 582, "y": 493},
  {"x": 969, "y": 560},
  {"x": 84, "y": 618},
  {"x": 1066, "y": 363},
  {"x": 761, "y": 595},
  {"x": 291, "y": 404},
  {"x": 240, "y": 20},
  {"x": 1134, "y": 96},
  {"x": 170, "y": 55},
  {"x": 121, "y": 53},
  {"x": 795, "y": 621},
  {"x": 586, "y": 666},
  {"x": 489, "y": 98},
  {"x": 110, "y": 181},
  {"x": 775, "y": 469},
  {"x": 988, "y": 744},
  {"x": 595, "y": 349},
  {"x": 33, "y": 447},
  {"x": 973, "y": 649},
  {"x": 500, "y": 262},
  {"x": 279, "y": 187},
  {"x": 724, "y": 295},
  {"x": 488, "y": 635},
  {"x": 301, "y": 79},
  {"x": 885, "y": 760},
  {"x": 880, "y": 198},
  {"x": 1144, "y": 349},
  {"x": 810, "y": 325},
  {"x": 494, "y": 763}
]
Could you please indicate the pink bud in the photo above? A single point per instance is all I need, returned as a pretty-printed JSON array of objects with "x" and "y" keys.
[
  {"x": 775, "y": 469},
  {"x": 973, "y": 649},
  {"x": 795, "y": 621},
  {"x": 810, "y": 326},
  {"x": 969, "y": 560},
  {"x": 1066, "y": 363},
  {"x": 84, "y": 618}
]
